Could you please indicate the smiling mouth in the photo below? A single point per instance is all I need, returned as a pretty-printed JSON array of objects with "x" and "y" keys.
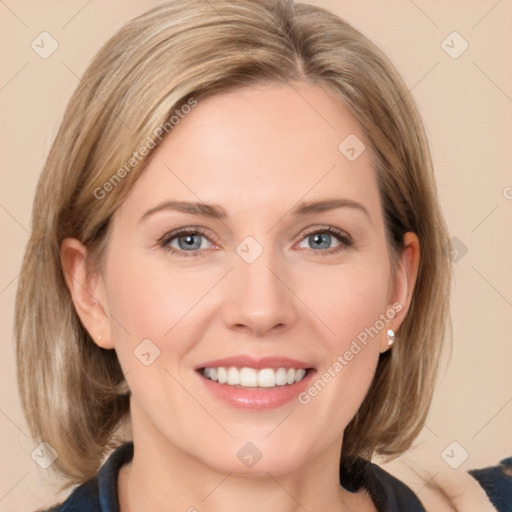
[{"x": 251, "y": 378}]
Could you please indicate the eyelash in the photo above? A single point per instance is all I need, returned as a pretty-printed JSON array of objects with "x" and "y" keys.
[{"x": 344, "y": 239}]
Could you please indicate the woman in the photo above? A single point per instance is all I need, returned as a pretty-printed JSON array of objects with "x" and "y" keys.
[{"x": 238, "y": 263}]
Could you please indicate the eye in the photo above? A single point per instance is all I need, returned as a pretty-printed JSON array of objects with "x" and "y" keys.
[
  {"x": 184, "y": 241},
  {"x": 321, "y": 240},
  {"x": 192, "y": 241}
]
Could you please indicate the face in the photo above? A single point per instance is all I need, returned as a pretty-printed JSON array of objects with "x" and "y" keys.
[{"x": 251, "y": 241}]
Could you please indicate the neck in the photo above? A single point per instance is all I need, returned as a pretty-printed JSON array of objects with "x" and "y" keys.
[{"x": 170, "y": 480}]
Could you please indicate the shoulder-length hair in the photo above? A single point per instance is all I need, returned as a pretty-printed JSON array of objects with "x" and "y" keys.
[{"x": 133, "y": 92}]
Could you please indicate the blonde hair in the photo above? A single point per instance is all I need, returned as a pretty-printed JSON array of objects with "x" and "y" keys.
[{"x": 73, "y": 392}]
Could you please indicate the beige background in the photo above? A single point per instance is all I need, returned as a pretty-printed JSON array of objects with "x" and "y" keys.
[{"x": 467, "y": 107}]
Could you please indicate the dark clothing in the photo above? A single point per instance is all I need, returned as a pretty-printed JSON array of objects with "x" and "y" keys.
[
  {"x": 497, "y": 483},
  {"x": 388, "y": 494}
]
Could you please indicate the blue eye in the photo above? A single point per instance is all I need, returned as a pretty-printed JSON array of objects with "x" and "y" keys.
[
  {"x": 321, "y": 240},
  {"x": 189, "y": 242}
]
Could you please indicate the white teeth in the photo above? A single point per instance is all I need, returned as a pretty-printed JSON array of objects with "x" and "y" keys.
[
  {"x": 281, "y": 377},
  {"x": 250, "y": 377},
  {"x": 222, "y": 375},
  {"x": 299, "y": 374},
  {"x": 233, "y": 376},
  {"x": 266, "y": 378}
]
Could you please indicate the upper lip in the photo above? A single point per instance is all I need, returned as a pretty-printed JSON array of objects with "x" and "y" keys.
[{"x": 246, "y": 361}]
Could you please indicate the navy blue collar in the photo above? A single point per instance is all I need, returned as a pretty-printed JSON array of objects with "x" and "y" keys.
[{"x": 387, "y": 492}]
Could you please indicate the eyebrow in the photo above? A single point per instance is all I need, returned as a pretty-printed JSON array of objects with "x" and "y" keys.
[{"x": 217, "y": 212}]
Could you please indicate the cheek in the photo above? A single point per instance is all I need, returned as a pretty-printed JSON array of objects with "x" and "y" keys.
[
  {"x": 161, "y": 303},
  {"x": 148, "y": 299},
  {"x": 350, "y": 302},
  {"x": 352, "y": 308}
]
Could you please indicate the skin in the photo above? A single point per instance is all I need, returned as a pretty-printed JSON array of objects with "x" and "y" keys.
[
  {"x": 440, "y": 488},
  {"x": 256, "y": 152}
]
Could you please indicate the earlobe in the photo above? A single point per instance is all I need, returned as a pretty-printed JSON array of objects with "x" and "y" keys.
[{"x": 87, "y": 292}]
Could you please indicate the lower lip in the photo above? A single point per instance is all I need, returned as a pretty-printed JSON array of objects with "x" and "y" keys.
[{"x": 260, "y": 398}]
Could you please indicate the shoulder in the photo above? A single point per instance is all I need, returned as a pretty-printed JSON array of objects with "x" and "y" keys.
[
  {"x": 84, "y": 497},
  {"x": 99, "y": 494},
  {"x": 387, "y": 492},
  {"x": 497, "y": 483},
  {"x": 446, "y": 490}
]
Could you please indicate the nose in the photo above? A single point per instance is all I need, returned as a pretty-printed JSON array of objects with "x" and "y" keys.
[{"x": 259, "y": 298}]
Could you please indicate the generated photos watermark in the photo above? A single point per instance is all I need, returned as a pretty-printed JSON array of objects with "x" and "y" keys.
[
  {"x": 344, "y": 359},
  {"x": 150, "y": 143}
]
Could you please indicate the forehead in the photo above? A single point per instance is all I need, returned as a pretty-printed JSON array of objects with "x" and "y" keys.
[{"x": 260, "y": 148}]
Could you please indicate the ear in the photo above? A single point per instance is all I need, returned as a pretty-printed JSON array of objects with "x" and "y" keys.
[
  {"x": 403, "y": 285},
  {"x": 87, "y": 292}
]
